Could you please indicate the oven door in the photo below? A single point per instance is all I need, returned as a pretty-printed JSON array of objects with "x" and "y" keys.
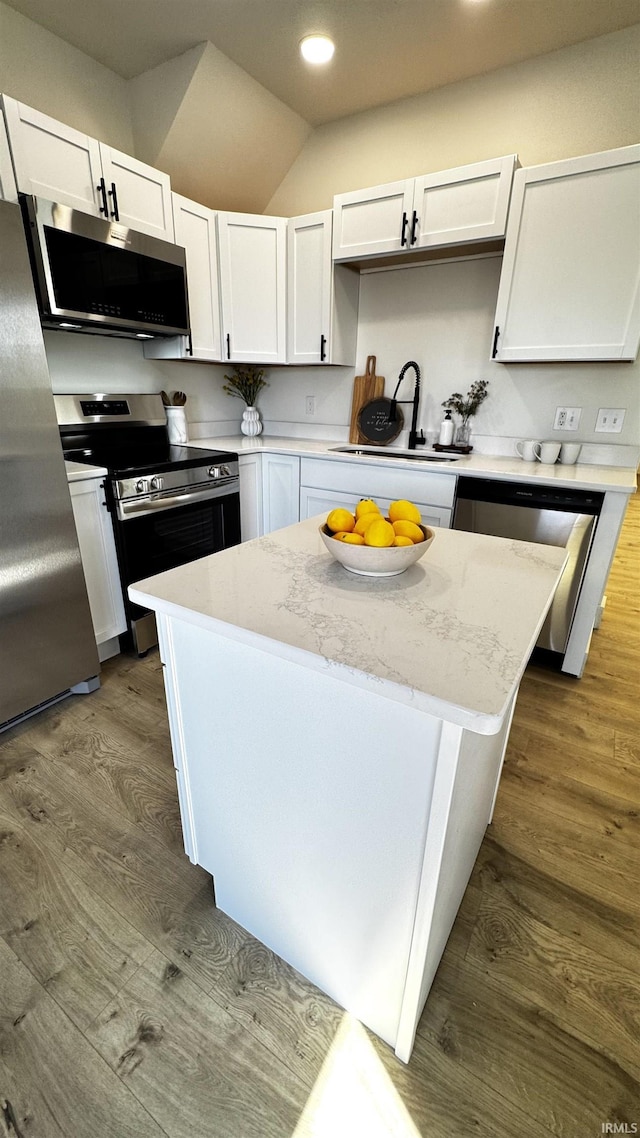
[{"x": 161, "y": 534}]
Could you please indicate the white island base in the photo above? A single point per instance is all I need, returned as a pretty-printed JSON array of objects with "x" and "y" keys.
[
  {"x": 340, "y": 827},
  {"x": 338, "y": 743}
]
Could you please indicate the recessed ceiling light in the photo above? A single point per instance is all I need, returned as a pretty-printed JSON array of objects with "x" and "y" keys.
[{"x": 317, "y": 49}]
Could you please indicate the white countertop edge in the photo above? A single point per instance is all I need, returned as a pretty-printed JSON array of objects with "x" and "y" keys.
[
  {"x": 81, "y": 471},
  {"x": 478, "y": 722},
  {"x": 617, "y": 479}
]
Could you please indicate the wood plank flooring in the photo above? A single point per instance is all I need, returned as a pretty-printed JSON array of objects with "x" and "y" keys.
[{"x": 129, "y": 1006}]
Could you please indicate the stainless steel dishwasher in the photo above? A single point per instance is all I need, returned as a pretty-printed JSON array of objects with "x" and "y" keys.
[{"x": 550, "y": 515}]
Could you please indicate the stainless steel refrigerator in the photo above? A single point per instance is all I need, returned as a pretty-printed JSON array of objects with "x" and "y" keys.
[{"x": 47, "y": 645}]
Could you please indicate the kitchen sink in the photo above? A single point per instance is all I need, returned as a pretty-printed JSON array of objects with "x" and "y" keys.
[{"x": 383, "y": 452}]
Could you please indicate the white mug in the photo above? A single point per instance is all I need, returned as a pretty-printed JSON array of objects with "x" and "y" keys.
[
  {"x": 528, "y": 452},
  {"x": 547, "y": 452},
  {"x": 569, "y": 453}
]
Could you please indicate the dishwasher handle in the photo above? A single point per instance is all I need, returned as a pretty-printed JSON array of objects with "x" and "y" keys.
[{"x": 530, "y": 495}]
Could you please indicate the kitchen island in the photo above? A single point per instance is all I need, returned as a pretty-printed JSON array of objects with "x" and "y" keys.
[{"x": 338, "y": 742}]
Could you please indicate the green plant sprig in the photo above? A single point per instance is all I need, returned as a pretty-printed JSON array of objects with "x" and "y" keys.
[
  {"x": 246, "y": 384},
  {"x": 466, "y": 406}
]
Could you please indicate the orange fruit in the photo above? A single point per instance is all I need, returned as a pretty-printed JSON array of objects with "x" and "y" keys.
[
  {"x": 408, "y": 529},
  {"x": 364, "y": 521},
  {"x": 403, "y": 511},
  {"x": 340, "y": 520},
  {"x": 349, "y": 538},
  {"x": 366, "y": 506},
  {"x": 400, "y": 540},
  {"x": 380, "y": 534}
]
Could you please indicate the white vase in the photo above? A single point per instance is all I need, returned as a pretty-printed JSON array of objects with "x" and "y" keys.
[
  {"x": 251, "y": 424},
  {"x": 177, "y": 424}
]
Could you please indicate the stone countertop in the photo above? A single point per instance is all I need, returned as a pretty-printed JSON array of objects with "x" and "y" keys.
[
  {"x": 451, "y": 636},
  {"x": 79, "y": 471},
  {"x": 582, "y": 476}
]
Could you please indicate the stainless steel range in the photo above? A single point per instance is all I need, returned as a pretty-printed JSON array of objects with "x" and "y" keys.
[{"x": 169, "y": 504}]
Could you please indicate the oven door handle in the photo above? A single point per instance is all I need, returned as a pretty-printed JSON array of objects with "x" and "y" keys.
[{"x": 128, "y": 510}]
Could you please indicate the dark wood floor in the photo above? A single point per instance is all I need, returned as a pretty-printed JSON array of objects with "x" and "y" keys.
[{"x": 130, "y": 1007}]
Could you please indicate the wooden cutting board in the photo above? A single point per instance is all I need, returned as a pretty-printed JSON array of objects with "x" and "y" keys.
[{"x": 365, "y": 388}]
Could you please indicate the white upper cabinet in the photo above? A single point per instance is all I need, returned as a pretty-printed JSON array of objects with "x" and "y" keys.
[
  {"x": 370, "y": 222},
  {"x": 253, "y": 258},
  {"x": 322, "y": 299},
  {"x": 463, "y": 205},
  {"x": 452, "y": 207},
  {"x": 195, "y": 229},
  {"x": 569, "y": 288},
  {"x": 8, "y": 191},
  {"x": 56, "y": 162},
  {"x": 138, "y": 194}
]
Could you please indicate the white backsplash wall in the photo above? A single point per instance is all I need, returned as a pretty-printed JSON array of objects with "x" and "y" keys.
[
  {"x": 79, "y": 363},
  {"x": 441, "y": 315}
]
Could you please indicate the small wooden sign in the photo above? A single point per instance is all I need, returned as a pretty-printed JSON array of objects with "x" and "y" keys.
[{"x": 378, "y": 424}]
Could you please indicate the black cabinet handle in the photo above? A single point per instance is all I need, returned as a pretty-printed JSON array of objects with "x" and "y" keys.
[
  {"x": 228, "y": 346},
  {"x": 495, "y": 343},
  {"x": 414, "y": 227},
  {"x": 403, "y": 235},
  {"x": 102, "y": 190},
  {"x": 323, "y": 354},
  {"x": 114, "y": 197},
  {"x": 189, "y": 347}
]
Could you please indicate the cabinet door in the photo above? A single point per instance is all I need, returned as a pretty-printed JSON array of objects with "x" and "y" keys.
[
  {"x": 309, "y": 283},
  {"x": 314, "y": 502},
  {"x": 53, "y": 160},
  {"x": 250, "y": 495},
  {"x": 569, "y": 288},
  {"x": 140, "y": 194},
  {"x": 463, "y": 205},
  {"x": 195, "y": 229},
  {"x": 280, "y": 491},
  {"x": 99, "y": 561},
  {"x": 8, "y": 191},
  {"x": 373, "y": 221},
  {"x": 253, "y": 261}
]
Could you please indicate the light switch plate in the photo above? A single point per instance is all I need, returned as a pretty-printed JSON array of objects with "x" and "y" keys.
[{"x": 610, "y": 420}]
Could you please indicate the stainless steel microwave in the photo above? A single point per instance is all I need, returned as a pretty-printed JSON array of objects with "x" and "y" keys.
[{"x": 93, "y": 275}]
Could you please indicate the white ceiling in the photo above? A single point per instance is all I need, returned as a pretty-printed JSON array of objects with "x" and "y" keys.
[{"x": 385, "y": 49}]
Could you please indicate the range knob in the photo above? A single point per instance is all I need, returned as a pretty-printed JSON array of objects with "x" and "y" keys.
[
  {"x": 214, "y": 472},
  {"x": 141, "y": 486},
  {"x": 157, "y": 482},
  {"x": 224, "y": 470}
]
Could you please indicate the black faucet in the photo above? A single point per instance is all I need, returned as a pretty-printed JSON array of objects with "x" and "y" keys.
[{"x": 414, "y": 440}]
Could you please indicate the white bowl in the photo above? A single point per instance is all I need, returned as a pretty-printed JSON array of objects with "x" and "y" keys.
[{"x": 370, "y": 561}]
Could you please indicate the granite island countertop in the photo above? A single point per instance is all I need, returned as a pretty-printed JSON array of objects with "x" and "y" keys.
[{"x": 451, "y": 636}]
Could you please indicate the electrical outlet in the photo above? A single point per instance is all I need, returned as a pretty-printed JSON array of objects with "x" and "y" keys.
[
  {"x": 310, "y": 405},
  {"x": 567, "y": 418},
  {"x": 610, "y": 419}
]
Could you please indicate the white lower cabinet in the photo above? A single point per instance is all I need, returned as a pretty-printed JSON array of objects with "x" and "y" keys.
[
  {"x": 100, "y": 564},
  {"x": 280, "y": 491},
  {"x": 314, "y": 502},
  {"x": 250, "y": 496},
  {"x": 325, "y": 483}
]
